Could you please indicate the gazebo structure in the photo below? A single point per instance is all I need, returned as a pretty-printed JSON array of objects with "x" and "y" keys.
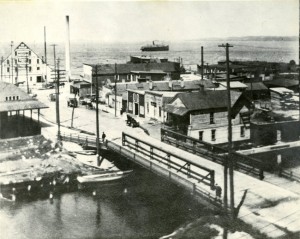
[{"x": 16, "y": 108}]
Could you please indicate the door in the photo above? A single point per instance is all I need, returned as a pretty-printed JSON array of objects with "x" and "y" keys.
[{"x": 136, "y": 108}]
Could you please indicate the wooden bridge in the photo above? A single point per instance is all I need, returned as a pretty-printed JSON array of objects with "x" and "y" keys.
[
  {"x": 163, "y": 160},
  {"x": 243, "y": 163}
]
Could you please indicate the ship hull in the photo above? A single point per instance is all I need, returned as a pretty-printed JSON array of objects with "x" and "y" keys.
[{"x": 155, "y": 48}]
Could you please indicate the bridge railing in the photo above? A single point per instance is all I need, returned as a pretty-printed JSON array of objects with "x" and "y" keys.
[
  {"x": 166, "y": 173},
  {"x": 171, "y": 160},
  {"x": 215, "y": 153},
  {"x": 80, "y": 139}
]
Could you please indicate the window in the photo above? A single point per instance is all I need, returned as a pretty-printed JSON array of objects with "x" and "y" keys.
[
  {"x": 29, "y": 68},
  {"x": 16, "y": 69},
  {"x": 16, "y": 53},
  {"x": 6, "y": 98},
  {"x": 7, "y": 69},
  {"x": 13, "y": 98},
  {"x": 10, "y": 98},
  {"x": 211, "y": 118},
  {"x": 29, "y": 61},
  {"x": 17, "y": 97},
  {"x": 200, "y": 135},
  {"x": 148, "y": 107},
  {"x": 213, "y": 135},
  {"x": 30, "y": 78},
  {"x": 242, "y": 131},
  {"x": 159, "y": 111},
  {"x": 29, "y": 53},
  {"x": 7, "y": 62},
  {"x": 37, "y": 61},
  {"x": 38, "y": 68}
]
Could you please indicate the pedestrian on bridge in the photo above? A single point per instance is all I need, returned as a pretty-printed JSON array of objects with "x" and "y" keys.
[{"x": 103, "y": 137}]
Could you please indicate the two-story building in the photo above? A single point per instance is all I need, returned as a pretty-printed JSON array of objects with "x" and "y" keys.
[
  {"x": 203, "y": 115},
  {"x": 25, "y": 68},
  {"x": 154, "y": 95},
  {"x": 129, "y": 72}
]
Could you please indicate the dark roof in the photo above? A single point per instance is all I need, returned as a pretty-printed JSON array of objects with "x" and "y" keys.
[
  {"x": 190, "y": 85},
  {"x": 202, "y": 100},
  {"x": 282, "y": 82},
  {"x": 256, "y": 86},
  {"x": 109, "y": 69},
  {"x": 24, "y": 102}
]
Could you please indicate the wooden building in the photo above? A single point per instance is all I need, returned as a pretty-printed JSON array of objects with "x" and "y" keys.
[
  {"x": 25, "y": 68},
  {"x": 16, "y": 109},
  {"x": 203, "y": 115}
]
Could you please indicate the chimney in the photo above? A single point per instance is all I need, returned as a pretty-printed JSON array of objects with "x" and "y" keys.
[
  {"x": 67, "y": 50},
  {"x": 181, "y": 83}
]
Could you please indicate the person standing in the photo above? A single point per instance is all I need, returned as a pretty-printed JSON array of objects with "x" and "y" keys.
[{"x": 103, "y": 137}]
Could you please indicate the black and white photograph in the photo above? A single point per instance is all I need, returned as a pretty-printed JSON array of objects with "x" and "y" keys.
[{"x": 150, "y": 119}]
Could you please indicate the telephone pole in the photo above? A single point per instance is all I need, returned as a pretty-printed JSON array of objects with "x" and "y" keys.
[
  {"x": 229, "y": 161},
  {"x": 57, "y": 102},
  {"x": 116, "y": 89},
  {"x": 202, "y": 63},
  {"x": 1, "y": 68},
  {"x": 97, "y": 115},
  {"x": 12, "y": 62}
]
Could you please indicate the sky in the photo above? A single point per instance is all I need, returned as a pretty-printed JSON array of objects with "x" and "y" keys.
[{"x": 137, "y": 21}]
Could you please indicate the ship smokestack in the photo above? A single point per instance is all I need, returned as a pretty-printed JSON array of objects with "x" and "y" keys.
[{"x": 67, "y": 50}]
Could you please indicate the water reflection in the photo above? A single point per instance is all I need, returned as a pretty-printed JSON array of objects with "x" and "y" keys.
[{"x": 142, "y": 206}]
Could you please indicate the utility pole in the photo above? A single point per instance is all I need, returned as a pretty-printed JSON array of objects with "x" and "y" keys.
[
  {"x": 1, "y": 68},
  {"x": 12, "y": 62},
  {"x": 26, "y": 68},
  {"x": 45, "y": 45},
  {"x": 97, "y": 115},
  {"x": 299, "y": 72},
  {"x": 57, "y": 102},
  {"x": 54, "y": 45},
  {"x": 45, "y": 52},
  {"x": 116, "y": 89},
  {"x": 230, "y": 158},
  {"x": 202, "y": 63}
]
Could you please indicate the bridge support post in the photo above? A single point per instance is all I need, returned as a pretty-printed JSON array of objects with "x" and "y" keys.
[
  {"x": 188, "y": 170},
  {"x": 136, "y": 145},
  {"x": 212, "y": 180},
  {"x": 151, "y": 153},
  {"x": 123, "y": 139}
]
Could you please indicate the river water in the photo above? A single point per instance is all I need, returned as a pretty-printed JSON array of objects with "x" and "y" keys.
[{"x": 143, "y": 206}]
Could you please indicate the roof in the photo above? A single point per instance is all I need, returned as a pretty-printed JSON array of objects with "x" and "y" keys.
[
  {"x": 282, "y": 82},
  {"x": 109, "y": 69},
  {"x": 256, "y": 86},
  {"x": 233, "y": 84},
  {"x": 21, "y": 105},
  {"x": 163, "y": 85},
  {"x": 202, "y": 100},
  {"x": 149, "y": 72},
  {"x": 281, "y": 90},
  {"x": 24, "y": 101}
]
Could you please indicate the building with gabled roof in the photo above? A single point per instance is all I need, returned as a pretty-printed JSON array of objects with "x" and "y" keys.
[
  {"x": 14, "y": 103},
  {"x": 203, "y": 115},
  {"x": 25, "y": 68}
]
